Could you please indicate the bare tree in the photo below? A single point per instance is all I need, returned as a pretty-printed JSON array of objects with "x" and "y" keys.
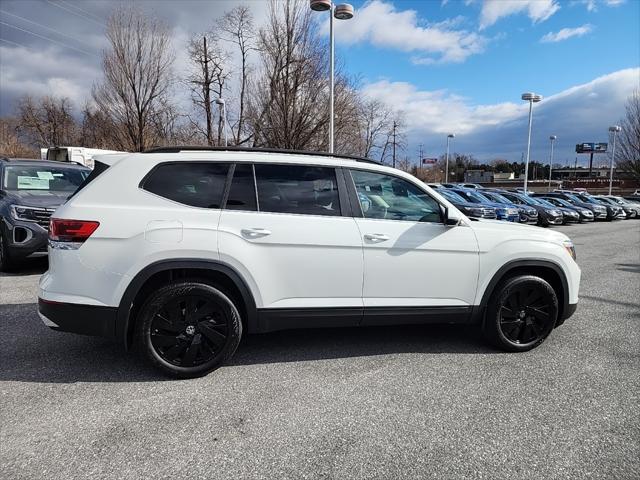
[
  {"x": 395, "y": 139},
  {"x": 376, "y": 120},
  {"x": 47, "y": 121},
  {"x": 288, "y": 107},
  {"x": 137, "y": 76},
  {"x": 628, "y": 141},
  {"x": 11, "y": 145},
  {"x": 207, "y": 80},
  {"x": 238, "y": 28}
]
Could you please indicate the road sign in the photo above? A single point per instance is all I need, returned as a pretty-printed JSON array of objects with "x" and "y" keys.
[{"x": 429, "y": 161}]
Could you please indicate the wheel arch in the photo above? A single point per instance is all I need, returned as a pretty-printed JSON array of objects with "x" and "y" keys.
[
  {"x": 545, "y": 269},
  {"x": 217, "y": 273}
]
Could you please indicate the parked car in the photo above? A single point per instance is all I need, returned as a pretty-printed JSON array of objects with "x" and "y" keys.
[
  {"x": 629, "y": 211},
  {"x": 624, "y": 202},
  {"x": 527, "y": 214},
  {"x": 546, "y": 215},
  {"x": 569, "y": 215},
  {"x": 30, "y": 191},
  {"x": 599, "y": 211},
  {"x": 585, "y": 215},
  {"x": 614, "y": 212},
  {"x": 468, "y": 208},
  {"x": 504, "y": 212},
  {"x": 201, "y": 247}
]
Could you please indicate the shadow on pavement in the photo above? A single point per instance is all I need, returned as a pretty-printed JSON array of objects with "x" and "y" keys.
[
  {"x": 629, "y": 267},
  {"x": 30, "y": 266},
  {"x": 30, "y": 352}
]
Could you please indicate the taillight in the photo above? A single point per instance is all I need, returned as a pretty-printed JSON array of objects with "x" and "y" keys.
[{"x": 75, "y": 231}]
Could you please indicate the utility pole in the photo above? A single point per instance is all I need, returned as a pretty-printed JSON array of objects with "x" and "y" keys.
[
  {"x": 207, "y": 92},
  {"x": 394, "y": 143},
  {"x": 420, "y": 159}
]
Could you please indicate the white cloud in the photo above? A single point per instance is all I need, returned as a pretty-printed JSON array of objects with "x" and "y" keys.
[
  {"x": 381, "y": 24},
  {"x": 578, "y": 114},
  {"x": 592, "y": 5},
  {"x": 537, "y": 10},
  {"x": 566, "y": 33}
]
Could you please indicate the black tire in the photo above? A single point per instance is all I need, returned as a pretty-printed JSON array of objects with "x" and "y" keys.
[
  {"x": 188, "y": 329},
  {"x": 6, "y": 262},
  {"x": 521, "y": 313}
]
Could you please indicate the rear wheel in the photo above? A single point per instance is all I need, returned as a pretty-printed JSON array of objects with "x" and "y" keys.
[
  {"x": 521, "y": 313},
  {"x": 188, "y": 329}
]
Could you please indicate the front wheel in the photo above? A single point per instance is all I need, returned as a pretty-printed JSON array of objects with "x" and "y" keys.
[
  {"x": 6, "y": 262},
  {"x": 188, "y": 329},
  {"x": 521, "y": 313}
]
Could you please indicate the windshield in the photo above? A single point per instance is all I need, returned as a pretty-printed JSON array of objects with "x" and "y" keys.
[
  {"x": 559, "y": 201},
  {"x": 496, "y": 197},
  {"x": 607, "y": 201},
  {"x": 452, "y": 196},
  {"x": 544, "y": 203},
  {"x": 527, "y": 199},
  {"x": 471, "y": 196},
  {"x": 42, "y": 178}
]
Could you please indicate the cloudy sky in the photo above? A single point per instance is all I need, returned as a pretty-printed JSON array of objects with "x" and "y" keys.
[{"x": 454, "y": 66}]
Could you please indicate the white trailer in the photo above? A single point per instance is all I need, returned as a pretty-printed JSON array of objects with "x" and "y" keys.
[{"x": 81, "y": 155}]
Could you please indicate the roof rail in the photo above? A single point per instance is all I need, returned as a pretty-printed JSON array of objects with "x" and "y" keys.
[{"x": 195, "y": 148}]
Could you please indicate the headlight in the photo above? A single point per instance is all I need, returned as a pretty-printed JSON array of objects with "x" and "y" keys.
[
  {"x": 552, "y": 212},
  {"x": 30, "y": 214},
  {"x": 568, "y": 246},
  {"x": 21, "y": 213}
]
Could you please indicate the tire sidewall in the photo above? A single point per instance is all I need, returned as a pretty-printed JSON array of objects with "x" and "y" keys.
[
  {"x": 492, "y": 320},
  {"x": 168, "y": 292}
]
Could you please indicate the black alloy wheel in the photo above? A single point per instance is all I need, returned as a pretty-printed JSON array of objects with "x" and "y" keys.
[
  {"x": 189, "y": 329},
  {"x": 521, "y": 313}
]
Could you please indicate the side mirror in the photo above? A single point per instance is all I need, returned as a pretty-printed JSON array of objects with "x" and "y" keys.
[{"x": 444, "y": 214}]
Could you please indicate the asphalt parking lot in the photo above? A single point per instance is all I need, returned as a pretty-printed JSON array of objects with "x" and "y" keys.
[{"x": 410, "y": 402}]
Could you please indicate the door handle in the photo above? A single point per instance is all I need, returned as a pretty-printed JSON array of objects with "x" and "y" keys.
[
  {"x": 376, "y": 237},
  {"x": 255, "y": 232}
]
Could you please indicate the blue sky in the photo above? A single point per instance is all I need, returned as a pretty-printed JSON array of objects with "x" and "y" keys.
[
  {"x": 514, "y": 59},
  {"x": 456, "y": 66}
]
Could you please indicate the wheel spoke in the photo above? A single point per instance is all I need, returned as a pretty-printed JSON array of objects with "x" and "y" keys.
[
  {"x": 531, "y": 297},
  {"x": 192, "y": 351},
  {"x": 508, "y": 312},
  {"x": 160, "y": 340},
  {"x": 215, "y": 337},
  {"x": 174, "y": 352},
  {"x": 540, "y": 315},
  {"x": 163, "y": 323}
]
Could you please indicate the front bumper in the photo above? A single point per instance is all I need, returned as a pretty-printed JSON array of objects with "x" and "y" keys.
[
  {"x": 76, "y": 318},
  {"x": 24, "y": 239}
]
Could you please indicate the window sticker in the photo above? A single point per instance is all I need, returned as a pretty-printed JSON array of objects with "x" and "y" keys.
[
  {"x": 32, "y": 183},
  {"x": 45, "y": 175}
]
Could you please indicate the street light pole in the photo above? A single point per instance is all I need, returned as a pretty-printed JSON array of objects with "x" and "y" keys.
[
  {"x": 553, "y": 139},
  {"x": 446, "y": 172},
  {"x": 531, "y": 98},
  {"x": 223, "y": 115},
  {"x": 340, "y": 12},
  {"x": 614, "y": 129}
]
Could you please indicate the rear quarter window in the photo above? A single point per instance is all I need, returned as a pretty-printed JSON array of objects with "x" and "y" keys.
[{"x": 197, "y": 184}]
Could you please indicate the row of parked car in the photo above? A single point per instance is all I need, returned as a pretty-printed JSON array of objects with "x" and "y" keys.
[{"x": 549, "y": 208}]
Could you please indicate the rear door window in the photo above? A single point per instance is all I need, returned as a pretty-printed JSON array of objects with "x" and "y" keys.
[
  {"x": 197, "y": 184},
  {"x": 242, "y": 193},
  {"x": 305, "y": 190}
]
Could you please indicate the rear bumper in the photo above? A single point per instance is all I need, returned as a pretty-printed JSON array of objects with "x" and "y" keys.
[{"x": 76, "y": 318}]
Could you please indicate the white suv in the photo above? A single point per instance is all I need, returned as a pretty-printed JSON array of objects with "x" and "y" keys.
[{"x": 182, "y": 250}]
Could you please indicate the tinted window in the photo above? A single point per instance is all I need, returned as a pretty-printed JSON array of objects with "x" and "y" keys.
[
  {"x": 242, "y": 194},
  {"x": 195, "y": 184},
  {"x": 392, "y": 198},
  {"x": 297, "y": 189}
]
